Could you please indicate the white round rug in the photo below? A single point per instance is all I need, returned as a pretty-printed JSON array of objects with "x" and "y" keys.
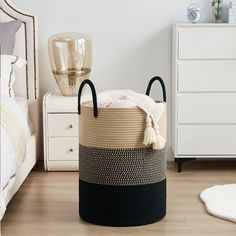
[{"x": 220, "y": 201}]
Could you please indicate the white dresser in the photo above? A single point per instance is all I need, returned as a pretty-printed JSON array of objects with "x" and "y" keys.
[
  {"x": 204, "y": 91},
  {"x": 61, "y": 131}
]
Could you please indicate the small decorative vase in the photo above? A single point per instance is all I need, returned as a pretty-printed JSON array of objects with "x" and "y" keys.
[
  {"x": 71, "y": 60},
  {"x": 217, "y": 10}
]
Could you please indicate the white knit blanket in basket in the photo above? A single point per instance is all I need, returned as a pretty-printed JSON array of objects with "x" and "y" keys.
[{"x": 131, "y": 99}]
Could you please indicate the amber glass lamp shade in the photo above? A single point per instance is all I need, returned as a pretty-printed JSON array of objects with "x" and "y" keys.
[{"x": 71, "y": 59}]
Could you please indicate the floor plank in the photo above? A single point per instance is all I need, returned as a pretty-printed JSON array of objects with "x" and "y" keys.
[{"x": 47, "y": 204}]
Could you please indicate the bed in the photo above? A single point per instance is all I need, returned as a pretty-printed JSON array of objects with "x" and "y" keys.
[{"x": 24, "y": 106}]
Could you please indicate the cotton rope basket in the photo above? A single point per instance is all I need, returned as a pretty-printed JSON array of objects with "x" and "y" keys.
[{"x": 121, "y": 181}]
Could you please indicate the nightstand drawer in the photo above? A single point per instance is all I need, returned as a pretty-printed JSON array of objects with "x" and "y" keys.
[
  {"x": 64, "y": 149},
  {"x": 62, "y": 125}
]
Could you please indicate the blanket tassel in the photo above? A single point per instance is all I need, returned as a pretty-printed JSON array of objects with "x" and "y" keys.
[
  {"x": 160, "y": 141},
  {"x": 149, "y": 134}
]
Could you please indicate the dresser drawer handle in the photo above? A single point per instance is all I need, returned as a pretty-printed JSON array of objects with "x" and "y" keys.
[
  {"x": 71, "y": 150},
  {"x": 70, "y": 126}
]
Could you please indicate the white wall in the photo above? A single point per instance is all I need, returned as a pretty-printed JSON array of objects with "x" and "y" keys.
[{"x": 131, "y": 38}]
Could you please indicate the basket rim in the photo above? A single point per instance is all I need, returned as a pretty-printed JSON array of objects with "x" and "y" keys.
[{"x": 87, "y": 105}]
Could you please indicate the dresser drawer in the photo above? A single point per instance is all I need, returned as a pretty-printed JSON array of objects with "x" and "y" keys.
[
  {"x": 206, "y": 140},
  {"x": 64, "y": 149},
  {"x": 206, "y": 108},
  {"x": 207, "y": 43},
  {"x": 63, "y": 125},
  {"x": 206, "y": 76}
]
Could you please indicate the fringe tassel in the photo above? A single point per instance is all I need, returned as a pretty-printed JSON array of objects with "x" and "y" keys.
[
  {"x": 149, "y": 134},
  {"x": 160, "y": 142}
]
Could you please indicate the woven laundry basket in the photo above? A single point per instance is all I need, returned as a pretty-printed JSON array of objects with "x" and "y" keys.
[{"x": 121, "y": 181}]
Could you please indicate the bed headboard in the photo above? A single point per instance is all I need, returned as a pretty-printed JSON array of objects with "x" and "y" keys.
[
  {"x": 27, "y": 80},
  {"x": 26, "y": 84}
]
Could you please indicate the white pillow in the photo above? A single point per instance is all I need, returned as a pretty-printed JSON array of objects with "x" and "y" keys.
[{"x": 9, "y": 63}]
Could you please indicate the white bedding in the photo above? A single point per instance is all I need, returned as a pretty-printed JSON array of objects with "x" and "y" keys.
[
  {"x": 24, "y": 106},
  {"x": 19, "y": 110}
]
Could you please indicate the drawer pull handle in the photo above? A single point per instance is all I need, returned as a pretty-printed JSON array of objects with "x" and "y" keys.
[
  {"x": 71, "y": 150},
  {"x": 70, "y": 126}
]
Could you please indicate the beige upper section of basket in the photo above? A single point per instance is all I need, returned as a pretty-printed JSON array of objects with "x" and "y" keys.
[{"x": 115, "y": 127}]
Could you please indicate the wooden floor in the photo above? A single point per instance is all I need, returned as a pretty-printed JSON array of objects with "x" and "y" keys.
[{"x": 47, "y": 204}]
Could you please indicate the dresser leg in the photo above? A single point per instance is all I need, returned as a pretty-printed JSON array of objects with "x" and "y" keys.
[{"x": 180, "y": 162}]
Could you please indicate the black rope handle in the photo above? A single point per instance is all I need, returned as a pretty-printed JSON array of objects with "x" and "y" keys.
[
  {"x": 94, "y": 95},
  {"x": 162, "y": 86}
]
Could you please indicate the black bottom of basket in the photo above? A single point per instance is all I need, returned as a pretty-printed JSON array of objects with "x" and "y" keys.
[{"x": 122, "y": 205}]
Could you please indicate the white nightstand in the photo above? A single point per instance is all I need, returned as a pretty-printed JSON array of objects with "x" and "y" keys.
[{"x": 61, "y": 133}]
